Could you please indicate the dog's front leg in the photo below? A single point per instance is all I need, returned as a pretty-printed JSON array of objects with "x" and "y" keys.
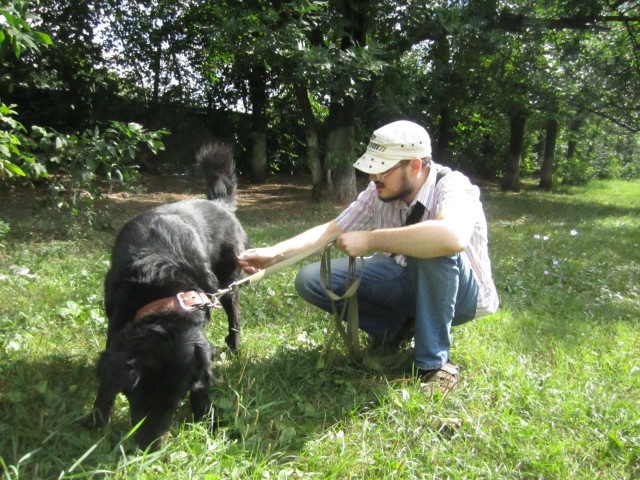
[
  {"x": 102, "y": 407},
  {"x": 115, "y": 373},
  {"x": 199, "y": 395},
  {"x": 200, "y": 402},
  {"x": 231, "y": 305}
]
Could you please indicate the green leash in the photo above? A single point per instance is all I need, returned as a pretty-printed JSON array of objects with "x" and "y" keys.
[
  {"x": 348, "y": 315},
  {"x": 349, "y": 312}
]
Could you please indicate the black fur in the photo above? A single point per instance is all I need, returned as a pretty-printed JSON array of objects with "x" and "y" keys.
[{"x": 188, "y": 245}]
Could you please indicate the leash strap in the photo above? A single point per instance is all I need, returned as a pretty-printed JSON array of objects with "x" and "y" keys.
[
  {"x": 262, "y": 274},
  {"x": 347, "y": 316},
  {"x": 349, "y": 311}
]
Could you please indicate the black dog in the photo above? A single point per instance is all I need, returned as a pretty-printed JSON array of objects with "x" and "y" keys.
[{"x": 157, "y": 349}]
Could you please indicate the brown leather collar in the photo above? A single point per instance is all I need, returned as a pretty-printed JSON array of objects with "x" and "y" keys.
[{"x": 183, "y": 301}]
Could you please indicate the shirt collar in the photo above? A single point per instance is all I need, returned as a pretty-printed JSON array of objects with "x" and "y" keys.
[{"x": 426, "y": 194}]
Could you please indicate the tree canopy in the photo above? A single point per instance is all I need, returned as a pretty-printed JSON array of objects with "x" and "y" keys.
[{"x": 505, "y": 88}]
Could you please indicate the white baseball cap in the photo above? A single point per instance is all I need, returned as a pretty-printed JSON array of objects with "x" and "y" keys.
[{"x": 402, "y": 140}]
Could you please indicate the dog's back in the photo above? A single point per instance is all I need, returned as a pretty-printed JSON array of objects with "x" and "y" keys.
[{"x": 186, "y": 246}]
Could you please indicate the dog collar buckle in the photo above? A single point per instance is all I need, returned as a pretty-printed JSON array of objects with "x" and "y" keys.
[{"x": 193, "y": 300}]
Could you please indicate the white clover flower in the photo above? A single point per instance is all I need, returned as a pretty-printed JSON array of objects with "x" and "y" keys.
[
  {"x": 537, "y": 236},
  {"x": 573, "y": 232}
]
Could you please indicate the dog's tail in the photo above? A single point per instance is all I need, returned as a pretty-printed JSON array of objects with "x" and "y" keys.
[{"x": 218, "y": 168}]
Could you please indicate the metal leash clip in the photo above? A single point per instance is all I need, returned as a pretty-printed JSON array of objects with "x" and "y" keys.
[{"x": 193, "y": 300}]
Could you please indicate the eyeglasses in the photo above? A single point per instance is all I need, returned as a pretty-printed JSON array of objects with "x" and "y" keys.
[{"x": 380, "y": 176}]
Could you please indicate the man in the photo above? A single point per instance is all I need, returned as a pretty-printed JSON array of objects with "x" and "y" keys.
[{"x": 435, "y": 265}]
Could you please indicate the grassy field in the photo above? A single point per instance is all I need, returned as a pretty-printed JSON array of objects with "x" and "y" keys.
[{"x": 550, "y": 385}]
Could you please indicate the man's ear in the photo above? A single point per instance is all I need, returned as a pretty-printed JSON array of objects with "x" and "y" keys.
[{"x": 415, "y": 166}]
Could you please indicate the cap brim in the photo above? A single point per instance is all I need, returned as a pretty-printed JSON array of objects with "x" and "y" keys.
[{"x": 372, "y": 165}]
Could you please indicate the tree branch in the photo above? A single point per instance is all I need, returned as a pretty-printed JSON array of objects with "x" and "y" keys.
[{"x": 629, "y": 127}]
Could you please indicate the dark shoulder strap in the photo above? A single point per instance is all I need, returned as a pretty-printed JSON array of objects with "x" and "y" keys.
[
  {"x": 418, "y": 209},
  {"x": 416, "y": 214},
  {"x": 443, "y": 172}
]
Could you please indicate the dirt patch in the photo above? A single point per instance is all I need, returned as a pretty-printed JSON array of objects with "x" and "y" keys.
[{"x": 279, "y": 196}]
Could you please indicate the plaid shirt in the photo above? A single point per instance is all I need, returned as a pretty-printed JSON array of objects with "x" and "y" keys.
[{"x": 368, "y": 212}]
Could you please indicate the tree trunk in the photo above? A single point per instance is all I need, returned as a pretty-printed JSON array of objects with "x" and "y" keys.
[
  {"x": 539, "y": 149},
  {"x": 156, "y": 66},
  {"x": 572, "y": 144},
  {"x": 341, "y": 154},
  {"x": 321, "y": 183},
  {"x": 342, "y": 110},
  {"x": 258, "y": 93},
  {"x": 441, "y": 151},
  {"x": 446, "y": 97},
  {"x": 511, "y": 178},
  {"x": 546, "y": 172}
]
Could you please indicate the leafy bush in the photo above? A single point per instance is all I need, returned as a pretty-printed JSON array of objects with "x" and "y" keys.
[
  {"x": 575, "y": 171},
  {"x": 111, "y": 153},
  {"x": 11, "y": 132},
  {"x": 71, "y": 164}
]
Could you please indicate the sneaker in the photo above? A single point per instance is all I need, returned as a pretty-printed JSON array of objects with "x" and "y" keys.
[{"x": 445, "y": 376}]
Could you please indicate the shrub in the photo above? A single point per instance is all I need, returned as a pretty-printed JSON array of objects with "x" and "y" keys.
[{"x": 575, "y": 171}]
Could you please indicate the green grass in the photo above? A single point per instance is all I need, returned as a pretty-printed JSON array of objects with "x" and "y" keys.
[{"x": 549, "y": 385}]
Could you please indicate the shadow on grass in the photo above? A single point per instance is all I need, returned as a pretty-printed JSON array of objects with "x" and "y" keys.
[
  {"x": 277, "y": 403},
  {"x": 41, "y": 404},
  {"x": 283, "y": 401}
]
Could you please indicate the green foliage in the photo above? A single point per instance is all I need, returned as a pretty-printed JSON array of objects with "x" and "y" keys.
[
  {"x": 603, "y": 151},
  {"x": 78, "y": 160},
  {"x": 16, "y": 35},
  {"x": 73, "y": 164},
  {"x": 575, "y": 171},
  {"x": 111, "y": 152},
  {"x": 10, "y": 132},
  {"x": 458, "y": 67}
]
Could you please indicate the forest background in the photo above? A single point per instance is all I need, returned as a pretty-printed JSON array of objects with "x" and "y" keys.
[{"x": 506, "y": 89}]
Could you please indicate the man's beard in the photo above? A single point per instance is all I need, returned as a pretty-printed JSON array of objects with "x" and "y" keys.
[{"x": 404, "y": 190}]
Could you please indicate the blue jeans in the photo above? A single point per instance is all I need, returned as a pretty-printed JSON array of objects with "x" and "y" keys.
[{"x": 439, "y": 292}]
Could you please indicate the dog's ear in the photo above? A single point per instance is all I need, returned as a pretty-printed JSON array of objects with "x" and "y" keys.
[
  {"x": 118, "y": 371},
  {"x": 134, "y": 372}
]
